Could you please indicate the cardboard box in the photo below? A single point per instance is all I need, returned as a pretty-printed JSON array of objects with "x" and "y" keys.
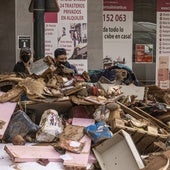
[{"x": 118, "y": 153}]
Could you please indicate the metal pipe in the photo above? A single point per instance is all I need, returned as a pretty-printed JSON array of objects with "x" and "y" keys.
[{"x": 39, "y": 33}]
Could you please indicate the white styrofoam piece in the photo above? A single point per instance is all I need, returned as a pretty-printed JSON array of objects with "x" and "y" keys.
[
  {"x": 7, "y": 164},
  {"x": 127, "y": 90}
]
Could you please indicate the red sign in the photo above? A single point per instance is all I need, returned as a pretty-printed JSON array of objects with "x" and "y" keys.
[
  {"x": 118, "y": 5},
  {"x": 51, "y": 17},
  {"x": 163, "y": 5},
  {"x": 143, "y": 53}
]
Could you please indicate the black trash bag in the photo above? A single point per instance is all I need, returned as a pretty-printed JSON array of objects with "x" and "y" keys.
[
  {"x": 95, "y": 75},
  {"x": 110, "y": 74},
  {"x": 131, "y": 77},
  {"x": 20, "y": 124}
]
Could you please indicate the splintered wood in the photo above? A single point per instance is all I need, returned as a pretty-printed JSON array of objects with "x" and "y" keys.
[{"x": 143, "y": 137}]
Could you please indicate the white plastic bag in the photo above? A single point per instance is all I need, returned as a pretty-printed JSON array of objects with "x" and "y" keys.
[{"x": 51, "y": 126}]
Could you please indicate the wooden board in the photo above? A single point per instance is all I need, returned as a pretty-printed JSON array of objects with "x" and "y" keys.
[
  {"x": 153, "y": 119},
  {"x": 6, "y": 111},
  {"x": 80, "y": 161},
  {"x": 40, "y": 107},
  {"x": 144, "y": 143},
  {"x": 32, "y": 153},
  {"x": 131, "y": 112},
  {"x": 138, "y": 136},
  {"x": 153, "y": 148}
]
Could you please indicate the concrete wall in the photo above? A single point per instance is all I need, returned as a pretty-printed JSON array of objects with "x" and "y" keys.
[
  {"x": 16, "y": 20},
  {"x": 24, "y": 23},
  {"x": 95, "y": 34},
  {"x": 7, "y": 35}
]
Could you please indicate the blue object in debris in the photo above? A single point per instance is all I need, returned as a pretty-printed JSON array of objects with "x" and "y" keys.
[{"x": 98, "y": 132}]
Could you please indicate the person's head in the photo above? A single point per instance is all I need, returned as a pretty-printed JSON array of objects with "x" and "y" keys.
[
  {"x": 60, "y": 56},
  {"x": 25, "y": 54}
]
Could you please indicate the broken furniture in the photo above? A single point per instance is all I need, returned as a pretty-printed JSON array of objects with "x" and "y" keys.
[
  {"x": 118, "y": 153},
  {"x": 143, "y": 138},
  {"x": 80, "y": 161}
]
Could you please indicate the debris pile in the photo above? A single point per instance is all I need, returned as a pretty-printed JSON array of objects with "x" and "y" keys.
[{"x": 83, "y": 123}]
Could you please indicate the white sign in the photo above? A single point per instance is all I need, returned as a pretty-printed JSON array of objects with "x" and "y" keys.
[
  {"x": 163, "y": 44},
  {"x": 117, "y": 32},
  {"x": 72, "y": 31}
]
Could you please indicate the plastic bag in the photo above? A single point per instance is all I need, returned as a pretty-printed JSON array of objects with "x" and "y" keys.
[
  {"x": 98, "y": 132},
  {"x": 51, "y": 126}
]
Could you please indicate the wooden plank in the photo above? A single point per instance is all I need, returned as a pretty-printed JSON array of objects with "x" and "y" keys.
[
  {"x": 80, "y": 161},
  {"x": 40, "y": 107},
  {"x": 144, "y": 143},
  {"x": 142, "y": 138},
  {"x": 131, "y": 112},
  {"x": 6, "y": 111},
  {"x": 137, "y": 136},
  {"x": 140, "y": 114},
  {"x": 153, "y": 119},
  {"x": 32, "y": 153},
  {"x": 136, "y": 133},
  {"x": 152, "y": 148}
]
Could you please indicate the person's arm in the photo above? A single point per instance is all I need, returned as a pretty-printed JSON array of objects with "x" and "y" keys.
[{"x": 72, "y": 67}]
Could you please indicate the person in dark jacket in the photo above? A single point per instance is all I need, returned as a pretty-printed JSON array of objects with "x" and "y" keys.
[
  {"x": 60, "y": 57},
  {"x": 23, "y": 66}
]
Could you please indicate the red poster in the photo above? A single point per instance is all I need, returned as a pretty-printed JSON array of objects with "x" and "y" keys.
[
  {"x": 163, "y": 5},
  {"x": 144, "y": 53},
  {"x": 118, "y": 5}
]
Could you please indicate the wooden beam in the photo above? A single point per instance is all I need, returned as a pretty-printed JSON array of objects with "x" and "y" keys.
[
  {"x": 140, "y": 114},
  {"x": 153, "y": 119}
]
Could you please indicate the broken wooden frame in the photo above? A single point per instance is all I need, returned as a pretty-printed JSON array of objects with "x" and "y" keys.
[{"x": 143, "y": 139}]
